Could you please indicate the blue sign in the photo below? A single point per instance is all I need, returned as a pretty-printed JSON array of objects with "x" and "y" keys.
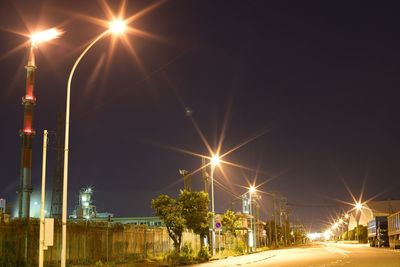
[{"x": 218, "y": 225}]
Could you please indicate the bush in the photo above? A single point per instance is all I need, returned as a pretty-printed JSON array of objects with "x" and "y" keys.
[
  {"x": 184, "y": 258},
  {"x": 187, "y": 250},
  {"x": 240, "y": 247},
  {"x": 203, "y": 255}
]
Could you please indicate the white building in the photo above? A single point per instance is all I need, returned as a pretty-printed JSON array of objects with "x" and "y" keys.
[{"x": 371, "y": 210}]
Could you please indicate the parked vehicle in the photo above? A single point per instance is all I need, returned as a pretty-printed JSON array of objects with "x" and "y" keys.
[
  {"x": 394, "y": 230},
  {"x": 378, "y": 232}
]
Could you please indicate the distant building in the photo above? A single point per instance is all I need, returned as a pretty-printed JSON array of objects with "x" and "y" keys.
[
  {"x": 4, "y": 217},
  {"x": 2, "y": 205},
  {"x": 86, "y": 208},
  {"x": 150, "y": 221}
]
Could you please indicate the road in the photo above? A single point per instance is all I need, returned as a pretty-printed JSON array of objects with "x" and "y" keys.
[{"x": 318, "y": 255}]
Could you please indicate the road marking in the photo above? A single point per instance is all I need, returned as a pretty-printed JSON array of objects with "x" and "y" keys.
[
  {"x": 334, "y": 250},
  {"x": 251, "y": 262}
]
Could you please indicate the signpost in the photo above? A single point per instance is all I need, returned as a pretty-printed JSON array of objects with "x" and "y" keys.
[{"x": 218, "y": 226}]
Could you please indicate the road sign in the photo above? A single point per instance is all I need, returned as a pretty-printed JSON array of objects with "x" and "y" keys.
[{"x": 218, "y": 223}]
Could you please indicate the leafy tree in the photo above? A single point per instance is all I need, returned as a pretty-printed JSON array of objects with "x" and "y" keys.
[
  {"x": 195, "y": 211},
  {"x": 170, "y": 211},
  {"x": 363, "y": 234},
  {"x": 230, "y": 221},
  {"x": 352, "y": 234}
]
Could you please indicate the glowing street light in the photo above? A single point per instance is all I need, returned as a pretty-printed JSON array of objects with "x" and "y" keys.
[
  {"x": 359, "y": 206},
  {"x": 45, "y": 36},
  {"x": 252, "y": 189},
  {"x": 215, "y": 160},
  {"x": 115, "y": 27}
]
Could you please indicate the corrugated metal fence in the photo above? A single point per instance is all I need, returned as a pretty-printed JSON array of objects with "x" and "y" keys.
[{"x": 88, "y": 242}]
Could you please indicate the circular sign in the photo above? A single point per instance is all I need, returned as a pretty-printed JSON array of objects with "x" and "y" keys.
[{"x": 218, "y": 225}]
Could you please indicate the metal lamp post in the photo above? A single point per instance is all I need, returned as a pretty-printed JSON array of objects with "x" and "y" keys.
[
  {"x": 252, "y": 190},
  {"x": 359, "y": 207},
  {"x": 115, "y": 27},
  {"x": 214, "y": 162}
]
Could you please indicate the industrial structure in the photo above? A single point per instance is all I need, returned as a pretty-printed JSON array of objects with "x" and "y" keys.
[
  {"x": 27, "y": 133},
  {"x": 85, "y": 209},
  {"x": 56, "y": 196}
]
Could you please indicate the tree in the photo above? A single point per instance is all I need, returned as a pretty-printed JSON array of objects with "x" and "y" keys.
[
  {"x": 170, "y": 211},
  {"x": 230, "y": 221},
  {"x": 195, "y": 212}
]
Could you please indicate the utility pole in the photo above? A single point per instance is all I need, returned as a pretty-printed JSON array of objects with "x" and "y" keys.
[
  {"x": 284, "y": 215},
  {"x": 270, "y": 231},
  {"x": 41, "y": 229},
  {"x": 276, "y": 231}
]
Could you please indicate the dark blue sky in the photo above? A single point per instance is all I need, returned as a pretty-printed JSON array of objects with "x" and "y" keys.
[{"x": 321, "y": 77}]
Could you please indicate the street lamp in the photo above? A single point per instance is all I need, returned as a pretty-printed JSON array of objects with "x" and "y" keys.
[
  {"x": 115, "y": 27},
  {"x": 215, "y": 160},
  {"x": 44, "y": 36},
  {"x": 252, "y": 190}
]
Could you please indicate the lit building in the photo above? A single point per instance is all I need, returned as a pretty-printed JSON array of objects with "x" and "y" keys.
[{"x": 86, "y": 208}]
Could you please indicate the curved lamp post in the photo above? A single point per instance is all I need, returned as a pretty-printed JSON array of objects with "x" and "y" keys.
[{"x": 115, "y": 27}]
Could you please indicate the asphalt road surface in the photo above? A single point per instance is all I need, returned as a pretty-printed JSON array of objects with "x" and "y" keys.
[{"x": 318, "y": 255}]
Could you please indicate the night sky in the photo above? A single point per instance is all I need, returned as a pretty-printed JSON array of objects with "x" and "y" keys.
[{"x": 319, "y": 80}]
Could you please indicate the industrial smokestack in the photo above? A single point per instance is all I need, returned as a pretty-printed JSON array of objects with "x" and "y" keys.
[{"x": 27, "y": 133}]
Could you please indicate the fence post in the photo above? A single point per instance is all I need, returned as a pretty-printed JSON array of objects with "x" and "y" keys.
[
  {"x": 154, "y": 243},
  {"x": 145, "y": 242}
]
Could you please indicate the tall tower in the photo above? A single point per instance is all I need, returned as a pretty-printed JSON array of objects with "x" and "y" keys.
[
  {"x": 56, "y": 196},
  {"x": 27, "y": 133}
]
